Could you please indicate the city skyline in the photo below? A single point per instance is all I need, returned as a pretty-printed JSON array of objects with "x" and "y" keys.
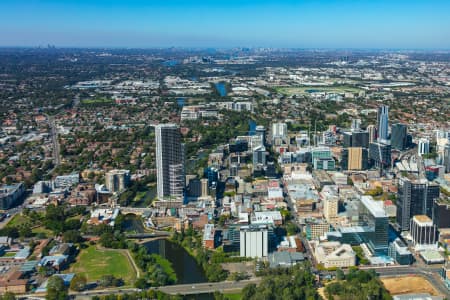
[{"x": 277, "y": 24}]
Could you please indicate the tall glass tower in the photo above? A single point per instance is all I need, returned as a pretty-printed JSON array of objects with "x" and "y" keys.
[
  {"x": 383, "y": 122},
  {"x": 169, "y": 162}
]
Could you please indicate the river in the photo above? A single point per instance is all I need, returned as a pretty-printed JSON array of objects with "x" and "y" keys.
[
  {"x": 184, "y": 265},
  {"x": 221, "y": 88}
]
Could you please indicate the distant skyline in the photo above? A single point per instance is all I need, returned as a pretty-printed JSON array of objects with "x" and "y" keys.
[{"x": 373, "y": 24}]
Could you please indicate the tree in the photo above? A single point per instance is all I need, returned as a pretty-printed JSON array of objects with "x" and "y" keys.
[
  {"x": 78, "y": 283},
  {"x": 107, "y": 239},
  {"x": 8, "y": 296},
  {"x": 56, "y": 289},
  {"x": 340, "y": 274},
  {"x": 72, "y": 236},
  {"x": 25, "y": 231}
]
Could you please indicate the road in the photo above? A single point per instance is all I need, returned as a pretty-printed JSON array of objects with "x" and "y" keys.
[
  {"x": 183, "y": 289},
  {"x": 55, "y": 142},
  {"x": 430, "y": 273}
]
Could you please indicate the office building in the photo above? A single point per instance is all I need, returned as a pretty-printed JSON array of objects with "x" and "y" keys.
[
  {"x": 212, "y": 174},
  {"x": 254, "y": 241},
  {"x": 117, "y": 180},
  {"x": 356, "y": 138},
  {"x": 399, "y": 136},
  {"x": 446, "y": 159},
  {"x": 10, "y": 195},
  {"x": 238, "y": 146},
  {"x": 423, "y": 147},
  {"x": 204, "y": 188},
  {"x": 209, "y": 237},
  {"x": 322, "y": 159},
  {"x": 380, "y": 155},
  {"x": 441, "y": 213},
  {"x": 383, "y": 122},
  {"x": 169, "y": 162},
  {"x": 370, "y": 225},
  {"x": 399, "y": 251},
  {"x": 424, "y": 233},
  {"x": 261, "y": 131},
  {"x": 330, "y": 208},
  {"x": 259, "y": 156},
  {"x": 67, "y": 181},
  {"x": 279, "y": 130},
  {"x": 371, "y": 129},
  {"x": 335, "y": 255},
  {"x": 316, "y": 228},
  {"x": 354, "y": 158},
  {"x": 415, "y": 197},
  {"x": 356, "y": 124}
]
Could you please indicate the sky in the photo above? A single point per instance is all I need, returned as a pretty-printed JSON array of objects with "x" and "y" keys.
[{"x": 379, "y": 24}]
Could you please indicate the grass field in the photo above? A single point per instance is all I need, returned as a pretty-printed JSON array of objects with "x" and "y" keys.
[
  {"x": 9, "y": 254},
  {"x": 303, "y": 90},
  {"x": 233, "y": 296},
  {"x": 408, "y": 285},
  {"x": 95, "y": 263},
  {"x": 18, "y": 220},
  {"x": 22, "y": 220}
]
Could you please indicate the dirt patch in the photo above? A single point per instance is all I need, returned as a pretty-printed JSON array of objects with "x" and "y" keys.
[
  {"x": 247, "y": 267},
  {"x": 409, "y": 285}
]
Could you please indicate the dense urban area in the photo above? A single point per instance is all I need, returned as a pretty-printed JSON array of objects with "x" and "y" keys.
[{"x": 224, "y": 174}]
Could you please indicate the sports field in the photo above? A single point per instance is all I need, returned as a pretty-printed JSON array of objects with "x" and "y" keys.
[{"x": 94, "y": 263}]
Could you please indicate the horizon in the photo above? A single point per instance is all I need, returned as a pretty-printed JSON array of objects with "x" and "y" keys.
[{"x": 138, "y": 24}]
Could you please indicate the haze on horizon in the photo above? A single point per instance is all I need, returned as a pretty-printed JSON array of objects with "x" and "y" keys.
[{"x": 233, "y": 23}]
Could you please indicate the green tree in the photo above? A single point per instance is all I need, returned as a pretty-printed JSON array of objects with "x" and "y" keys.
[
  {"x": 56, "y": 289},
  {"x": 8, "y": 296},
  {"x": 78, "y": 283},
  {"x": 72, "y": 236}
]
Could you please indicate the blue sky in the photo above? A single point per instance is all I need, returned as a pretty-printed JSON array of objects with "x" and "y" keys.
[{"x": 250, "y": 23}]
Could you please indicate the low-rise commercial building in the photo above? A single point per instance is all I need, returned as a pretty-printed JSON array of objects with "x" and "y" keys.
[{"x": 335, "y": 254}]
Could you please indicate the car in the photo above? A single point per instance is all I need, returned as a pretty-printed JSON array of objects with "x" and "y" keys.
[{"x": 193, "y": 286}]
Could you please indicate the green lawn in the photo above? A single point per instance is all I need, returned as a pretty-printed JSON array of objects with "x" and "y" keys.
[
  {"x": 18, "y": 220},
  {"x": 9, "y": 254},
  {"x": 237, "y": 296},
  {"x": 97, "y": 101},
  {"x": 95, "y": 263}
]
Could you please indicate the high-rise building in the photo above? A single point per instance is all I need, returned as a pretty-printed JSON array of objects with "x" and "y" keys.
[
  {"x": 424, "y": 233},
  {"x": 330, "y": 208},
  {"x": 371, "y": 129},
  {"x": 259, "y": 156},
  {"x": 356, "y": 124},
  {"x": 423, "y": 147},
  {"x": 399, "y": 136},
  {"x": 371, "y": 227},
  {"x": 356, "y": 138},
  {"x": 169, "y": 162},
  {"x": 279, "y": 130},
  {"x": 380, "y": 154},
  {"x": 383, "y": 122},
  {"x": 254, "y": 241},
  {"x": 117, "y": 180},
  {"x": 261, "y": 131},
  {"x": 415, "y": 197},
  {"x": 322, "y": 159},
  {"x": 447, "y": 157},
  {"x": 354, "y": 158}
]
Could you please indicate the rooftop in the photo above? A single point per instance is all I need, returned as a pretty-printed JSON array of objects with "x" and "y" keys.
[{"x": 375, "y": 209}]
